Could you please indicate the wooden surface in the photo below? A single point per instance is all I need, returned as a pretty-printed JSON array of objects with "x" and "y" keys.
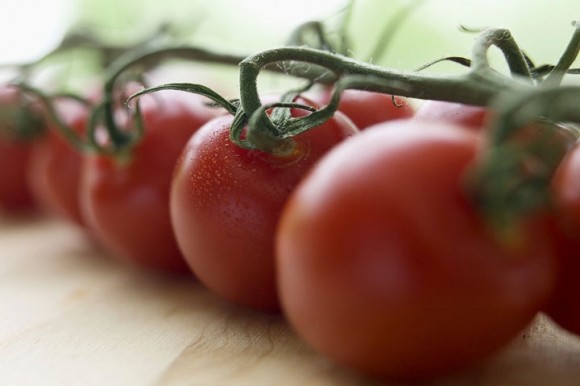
[{"x": 71, "y": 315}]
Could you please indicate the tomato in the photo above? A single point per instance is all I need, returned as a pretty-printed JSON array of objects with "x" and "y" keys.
[
  {"x": 385, "y": 265},
  {"x": 565, "y": 306},
  {"x": 125, "y": 200},
  {"x": 473, "y": 117},
  {"x": 14, "y": 192},
  {"x": 15, "y": 145},
  {"x": 55, "y": 165},
  {"x": 365, "y": 108},
  {"x": 226, "y": 200}
]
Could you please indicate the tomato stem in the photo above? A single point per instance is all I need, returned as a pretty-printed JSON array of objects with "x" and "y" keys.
[
  {"x": 48, "y": 102},
  {"x": 148, "y": 57},
  {"x": 566, "y": 60},
  {"x": 477, "y": 87},
  {"x": 480, "y": 85},
  {"x": 144, "y": 58},
  {"x": 502, "y": 39}
]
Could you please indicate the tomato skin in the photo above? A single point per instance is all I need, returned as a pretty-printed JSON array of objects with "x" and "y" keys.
[
  {"x": 125, "y": 202},
  {"x": 15, "y": 195},
  {"x": 564, "y": 308},
  {"x": 366, "y": 108},
  {"x": 55, "y": 165},
  {"x": 472, "y": 117},
  {"x": 225, "y": 203},
  {"x": 385, "y": 266}
]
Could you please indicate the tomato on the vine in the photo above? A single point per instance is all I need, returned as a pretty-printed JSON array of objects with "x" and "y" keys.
[
  {"x": 385, "y": 264},
  {"x": 366, "y": 108},
  {"x": 19, "y": 124},
  {"x": 125, "y": 199},
  {"x": 55, "y": 165},
  {"x": 226, "y": 200}
]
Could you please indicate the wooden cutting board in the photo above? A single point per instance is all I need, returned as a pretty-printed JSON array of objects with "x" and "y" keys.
[{"x": 71, "y": 315}]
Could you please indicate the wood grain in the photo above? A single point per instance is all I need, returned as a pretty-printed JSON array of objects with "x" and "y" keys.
[{"x": 71, "y": 315}]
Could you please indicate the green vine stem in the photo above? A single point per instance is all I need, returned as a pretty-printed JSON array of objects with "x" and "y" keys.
[
  {"x": 280, "y": 109},
  {"x": 199, "y": 89},
  {"x": 149, "y": 57},
  {"x": 566, "y": 60},
  {"x": 316, "y": 65},
  {"x": 47, "y": 101},
  {"x": 144, "y": 58},
  {"x": 503, "y": 40},
  {"x": 478, "y": 86}
]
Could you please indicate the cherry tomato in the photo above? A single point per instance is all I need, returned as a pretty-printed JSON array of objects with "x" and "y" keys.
[
  {"x": 55, "y": 165},
  {"x": 19, "y": 123},
  {"x": 473, "y": 117},
  {"x": 226, "y": 200},
  {"x": 365, "y": 108},
  {"x": 565, "y": 306},
  {"x": 385, "y": 265},
  {"x": 125, "y": 200},
  {"x": 14, "y": 192}
]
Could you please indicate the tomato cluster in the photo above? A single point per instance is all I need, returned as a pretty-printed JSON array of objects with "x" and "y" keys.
[{"x": 365, "y": 231}]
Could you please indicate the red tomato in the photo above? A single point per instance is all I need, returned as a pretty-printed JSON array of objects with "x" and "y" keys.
[
  {"x": 385, "y": 265},
  {"x": 15, "y": 194},
  {"x": 125, "y": 201},
  {"x": 473, "y": 117},
  {"x": 565, "y": 306},
  {"x": 225, "y": 204},
  {"x": 55, "y": 165},
  {"x": 365, "y": 108}
]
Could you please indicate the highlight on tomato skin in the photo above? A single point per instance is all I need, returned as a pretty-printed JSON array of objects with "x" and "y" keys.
[
  {"x": 225, "y": 204},
  {"x": 125, "y": 200},
  {"x": 385, "y": 265},
  {"x": 472, "y": 117},
  {"x": 15, "y": 149}
]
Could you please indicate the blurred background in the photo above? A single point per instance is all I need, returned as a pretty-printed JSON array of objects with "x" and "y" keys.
[{"x": 31, "y": 28}]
